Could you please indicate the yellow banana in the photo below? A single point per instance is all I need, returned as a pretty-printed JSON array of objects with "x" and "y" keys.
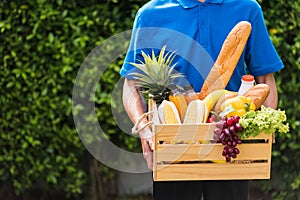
[{"x": 212, "y": 98}]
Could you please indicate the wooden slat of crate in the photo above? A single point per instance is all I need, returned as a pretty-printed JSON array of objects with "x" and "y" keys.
[
  {"x": 213, "y": 171},
  {"x": 196, "y": 152},
  {"x": 176, "y": 153},
  {"x": 188, "y": 132},
  {"x": 183, "y": 132}
]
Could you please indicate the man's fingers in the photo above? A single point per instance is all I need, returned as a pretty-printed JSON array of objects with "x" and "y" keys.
[
  {"x": 149, "y": 159},
  {"x": 151, "y": 144}
]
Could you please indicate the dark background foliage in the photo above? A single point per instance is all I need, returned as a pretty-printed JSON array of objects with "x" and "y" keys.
[{"x": 43, "y": 44}]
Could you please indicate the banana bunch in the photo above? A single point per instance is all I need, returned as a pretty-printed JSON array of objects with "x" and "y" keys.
[{"x": 214, "y": 100}]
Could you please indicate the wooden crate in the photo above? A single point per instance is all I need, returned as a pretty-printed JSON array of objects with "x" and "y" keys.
[{"x": 187, "y": 152}]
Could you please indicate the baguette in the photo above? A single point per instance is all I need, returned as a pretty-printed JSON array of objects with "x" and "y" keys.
[
  {"x": 258, "y": 94},
  {"x": 227, "y": 60}
]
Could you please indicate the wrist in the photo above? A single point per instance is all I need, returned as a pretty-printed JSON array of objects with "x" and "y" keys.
[{"x": 146, "y": 133}]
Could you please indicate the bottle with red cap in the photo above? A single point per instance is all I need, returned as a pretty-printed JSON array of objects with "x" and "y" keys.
[{"x": 247, "y": 83}]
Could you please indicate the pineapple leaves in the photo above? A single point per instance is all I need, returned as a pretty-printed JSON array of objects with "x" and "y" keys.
[{"x": 156, "y": 73}]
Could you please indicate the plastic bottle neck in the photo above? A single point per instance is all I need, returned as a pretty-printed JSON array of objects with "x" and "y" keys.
[{"x": 248, "y": 78}]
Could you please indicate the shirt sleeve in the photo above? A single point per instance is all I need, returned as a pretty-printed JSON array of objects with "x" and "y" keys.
[
  {"x": 137, "y": 43},
  {"x": 261, "y": 57}
]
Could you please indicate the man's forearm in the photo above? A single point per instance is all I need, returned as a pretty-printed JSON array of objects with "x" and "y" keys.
[
  {"x": 272, "y": 99},
  {"x": 135, "y": 106},
  {"x": 133, "y": 101}
]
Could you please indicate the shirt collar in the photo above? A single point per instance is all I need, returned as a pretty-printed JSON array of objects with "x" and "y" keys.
[{"x": 193, "y": 3}]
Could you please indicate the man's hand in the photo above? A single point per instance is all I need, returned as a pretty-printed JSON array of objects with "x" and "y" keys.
[
  {"x": 146, "y": 136},
  {"x": 135, "y": 107},
  {"x": 147, "y": 146},
  {"x": 272, "y": 99}
]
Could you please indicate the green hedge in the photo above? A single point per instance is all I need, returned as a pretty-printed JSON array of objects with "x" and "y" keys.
[
  {"x": 43, "y": 44},
  {"x": 283, "y": 22}
]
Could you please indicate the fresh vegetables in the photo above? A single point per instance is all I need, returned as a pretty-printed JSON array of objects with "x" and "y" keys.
[
  {"x": 237, "y": 106},
  {"x": 168, "y": 113},
  {"x": 235, "y": 117},
  {"x": 265, "y": 120},
  {"x": 217, "y": 107},
  {"x": 195, "y": 113}
]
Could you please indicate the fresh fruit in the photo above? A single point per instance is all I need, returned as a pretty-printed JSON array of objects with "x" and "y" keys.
[
  {"x": 212, "y": 98},
  {"x": 213, "y": 117},
  {"x": 226, "y": 132},
  {"x": 156, "y": 74}
]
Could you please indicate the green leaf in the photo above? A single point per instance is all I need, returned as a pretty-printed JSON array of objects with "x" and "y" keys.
[{"x": 51, "y": 37}]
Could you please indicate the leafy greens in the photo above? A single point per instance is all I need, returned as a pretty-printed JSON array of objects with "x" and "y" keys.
[{"x": 265, "y": 120}]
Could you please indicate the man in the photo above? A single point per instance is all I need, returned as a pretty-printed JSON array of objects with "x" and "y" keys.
[{"x": 175, "y": 23}]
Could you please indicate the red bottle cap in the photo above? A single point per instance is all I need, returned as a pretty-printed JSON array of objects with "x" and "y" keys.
[{"x": 248, "y": 78}]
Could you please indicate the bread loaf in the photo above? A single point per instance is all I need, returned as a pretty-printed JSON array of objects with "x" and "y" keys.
[
  {"x": 258, "y": 94},
  {"x": 227, "y": 60}
]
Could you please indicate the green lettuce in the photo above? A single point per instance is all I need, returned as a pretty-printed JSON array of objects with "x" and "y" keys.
[{"x": 266, "y": 120}]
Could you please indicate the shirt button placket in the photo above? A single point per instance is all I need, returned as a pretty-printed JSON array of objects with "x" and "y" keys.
[{"x": 202, "y": 23}]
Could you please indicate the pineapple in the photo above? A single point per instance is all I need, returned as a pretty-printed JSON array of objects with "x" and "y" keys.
[{"x": 157, "y": 74}]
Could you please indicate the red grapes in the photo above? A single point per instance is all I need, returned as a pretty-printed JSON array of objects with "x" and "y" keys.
[{"x": 226, "y": 132}]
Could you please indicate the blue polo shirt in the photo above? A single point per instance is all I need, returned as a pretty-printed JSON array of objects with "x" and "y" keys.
[{"x": 196, "y": 32}]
